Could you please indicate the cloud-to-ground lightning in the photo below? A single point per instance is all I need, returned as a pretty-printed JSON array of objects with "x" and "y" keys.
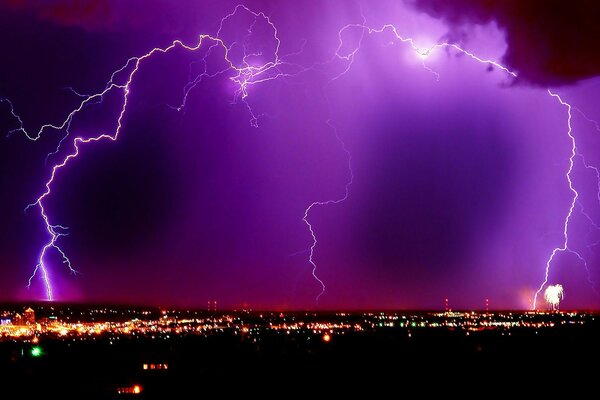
[
  {"x": 564, "y": 247},
  {"x": 554, "y": 295},
  {"x": 349, "y": 59},
  {"x": 423, "y": 54},
  {"x": 246, "y": 74},
  {"x": 311, "y": 252}
]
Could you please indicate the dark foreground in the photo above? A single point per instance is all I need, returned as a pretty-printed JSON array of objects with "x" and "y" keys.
[{"x": 279, "y": 364}]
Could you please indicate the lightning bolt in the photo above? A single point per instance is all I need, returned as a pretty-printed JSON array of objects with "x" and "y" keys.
[
  {"x": 424, "y": 53},
  {"x": 11, "y": 110},
  {"x": 311, "y": 252},
  {"x": 245, "y": 75},
  {"x": 564, "y": 247}
]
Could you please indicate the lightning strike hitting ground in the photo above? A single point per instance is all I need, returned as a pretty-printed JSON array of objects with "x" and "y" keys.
[
  {"x": 324, "y": 203},
  {"x": 423, "y": 54},
  {"x": 245, "y": 75},
  {"x": 564, "y": 247}
]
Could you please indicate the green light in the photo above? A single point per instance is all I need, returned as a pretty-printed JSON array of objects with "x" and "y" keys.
[{"x": 36, "y": 351}]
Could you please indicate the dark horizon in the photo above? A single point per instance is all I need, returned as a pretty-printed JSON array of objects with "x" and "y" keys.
[{"x": 60, "y": 304}]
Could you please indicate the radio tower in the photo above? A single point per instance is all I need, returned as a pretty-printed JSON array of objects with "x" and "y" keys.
[{"x": 212, "y": 305}]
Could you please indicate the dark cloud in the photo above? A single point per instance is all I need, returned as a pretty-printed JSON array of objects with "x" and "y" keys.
[
  {"x": 89, "y": 14},
  {"x": 115, "y": 15},
  {"x": 550, "y": 42}
]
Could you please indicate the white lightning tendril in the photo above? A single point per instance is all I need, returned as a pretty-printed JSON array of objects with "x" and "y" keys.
[
  {"x": 311, "y": 252},
  {"x": 564, "y": 247},
  {"x": 424, "y": 53},
  {"x": 245, "y": 75}
]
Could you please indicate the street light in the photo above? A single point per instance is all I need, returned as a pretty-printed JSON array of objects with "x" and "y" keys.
[{"x": 36, "y": 351}]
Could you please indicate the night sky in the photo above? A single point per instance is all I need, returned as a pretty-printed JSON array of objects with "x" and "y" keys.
[{"x": 459, "y": 185}]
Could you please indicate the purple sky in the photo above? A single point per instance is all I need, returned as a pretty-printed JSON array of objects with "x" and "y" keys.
[{"x": 459, "y": 185}]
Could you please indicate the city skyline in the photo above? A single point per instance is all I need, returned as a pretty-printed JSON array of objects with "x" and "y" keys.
[{"x": 394, "y": 156}]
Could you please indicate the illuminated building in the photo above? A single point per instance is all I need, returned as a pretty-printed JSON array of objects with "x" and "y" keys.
[
  {"x": 135, "y": 389},
  {"x": 154, "y": 366},
  {"x": 29, "y": 316},
  {"x": 18, "y": 319}
]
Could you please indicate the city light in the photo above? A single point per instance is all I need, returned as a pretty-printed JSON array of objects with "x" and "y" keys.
[
  {"x": 36, "y": 351},
  {"x": 135, "y": 389},
  {"x": 111, "y": 325}
]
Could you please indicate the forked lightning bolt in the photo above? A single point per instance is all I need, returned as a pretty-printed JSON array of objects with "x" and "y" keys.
[
  {"x": 245, "y": 75},
  {"x": 423, "y": 54},
  {"x": 564, "y": 247},
  {"x": 311, "y": 252}
]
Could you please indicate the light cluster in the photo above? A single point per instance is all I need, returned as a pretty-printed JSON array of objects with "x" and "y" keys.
[{"x": 165, "y": 325}]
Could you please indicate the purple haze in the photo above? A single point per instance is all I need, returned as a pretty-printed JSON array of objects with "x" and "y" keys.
[{"x": 459, "y": 187}]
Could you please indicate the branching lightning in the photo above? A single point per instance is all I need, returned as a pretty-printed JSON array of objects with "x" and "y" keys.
[
  {"x": 424, "y": 53},
  {"x": 564, "y": 247},
  {"x": 244, "y": 76},
  {"x": 311, "y": 252}
]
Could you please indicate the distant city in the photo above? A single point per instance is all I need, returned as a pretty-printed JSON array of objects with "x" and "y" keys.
[
  {"x": 148, "y": 352},
  {"x": 76, "y": 322}
]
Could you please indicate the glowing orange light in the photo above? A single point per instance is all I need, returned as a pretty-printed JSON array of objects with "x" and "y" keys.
[
  {"x": 137, "y": 389},
  {"x": 327, "y": 338}
]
